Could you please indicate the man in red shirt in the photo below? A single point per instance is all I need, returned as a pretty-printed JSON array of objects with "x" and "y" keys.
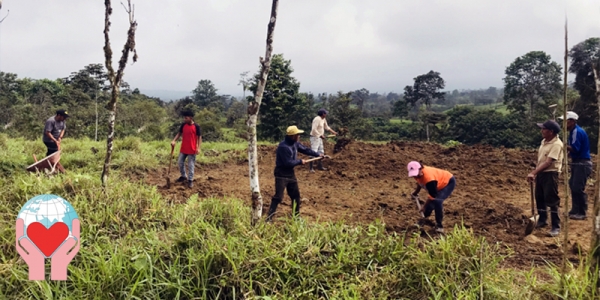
[{"x": 191, "y": 139}]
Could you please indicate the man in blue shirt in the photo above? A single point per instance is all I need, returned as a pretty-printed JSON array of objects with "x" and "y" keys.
[
  {"x": 285, "y": 178},
  {"x": 581, "y": 166}
]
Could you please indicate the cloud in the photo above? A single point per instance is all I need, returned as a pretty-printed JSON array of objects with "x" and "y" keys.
[{"x": 334, "y": 45}]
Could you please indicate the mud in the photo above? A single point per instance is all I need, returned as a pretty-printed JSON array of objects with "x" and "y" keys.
[{"x": 365, "y": 182}]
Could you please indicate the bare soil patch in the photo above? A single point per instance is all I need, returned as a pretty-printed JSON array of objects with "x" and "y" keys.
[{"x": 365, "y": 182}]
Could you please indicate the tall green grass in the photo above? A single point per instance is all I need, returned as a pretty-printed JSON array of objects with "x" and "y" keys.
[{"x": 135, "y": 245}]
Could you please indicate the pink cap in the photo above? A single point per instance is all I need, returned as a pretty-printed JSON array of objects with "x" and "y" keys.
[{"x": 413, "y": 168}]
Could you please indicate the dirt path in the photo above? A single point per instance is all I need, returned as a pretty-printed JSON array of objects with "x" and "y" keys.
[{"x": 366, "y": 182}]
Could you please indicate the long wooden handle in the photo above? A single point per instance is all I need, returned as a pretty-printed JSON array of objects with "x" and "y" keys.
[
  {"x": 532, "y": 199},
  {"x": 171, "y": 159},
  {"x": 419, "y": 206},
  {"x": 313, "y": 159}
]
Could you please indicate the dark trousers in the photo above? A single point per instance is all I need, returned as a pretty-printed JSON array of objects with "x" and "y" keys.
[
  {"x": 437, "y": 204},
  {"x": 52, "y": 147},
  {"x": 281, "y": 184},
  {"x": 580, "y": 172},
  {"x": 546, "y": 195}
]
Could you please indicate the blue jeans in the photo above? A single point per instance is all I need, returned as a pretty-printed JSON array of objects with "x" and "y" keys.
[
  {"x": 191, "y": 162},
  {"x": 438, "y": 203}
]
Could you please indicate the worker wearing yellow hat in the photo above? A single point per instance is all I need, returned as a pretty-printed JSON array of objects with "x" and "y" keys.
[{"x": 285, "y": 178}]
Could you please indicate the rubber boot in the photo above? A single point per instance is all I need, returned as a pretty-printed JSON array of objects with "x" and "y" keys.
[
  {"x": 272, "y": 210},
  {"x": 320, "y": 166},
  {"x": 311, "y": 167},
  {"x": 542, "y": 219}
]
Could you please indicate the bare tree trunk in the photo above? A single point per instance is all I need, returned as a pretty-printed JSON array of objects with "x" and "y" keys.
[
  {"x": 96, "y": 135},
  {"x": 565, "y": 167},
  {"x": 427, "y": 128},
  {"x": 115, "y": 79},
  {"x": 595, "y": 249},
  {"x": 253, "y": 107}
]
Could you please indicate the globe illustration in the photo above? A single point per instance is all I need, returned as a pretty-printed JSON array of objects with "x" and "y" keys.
[{"x": 48, "y": 210}]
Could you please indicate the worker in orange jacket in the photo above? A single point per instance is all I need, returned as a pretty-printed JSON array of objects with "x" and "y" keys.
[{"x": 439, "y": 185}]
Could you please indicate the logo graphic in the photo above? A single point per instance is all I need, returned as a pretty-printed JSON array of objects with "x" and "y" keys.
[{"x": 47, "y": 227}]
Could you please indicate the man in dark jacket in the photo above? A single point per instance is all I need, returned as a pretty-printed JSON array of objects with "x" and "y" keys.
[{"x": 285, "y": 178}]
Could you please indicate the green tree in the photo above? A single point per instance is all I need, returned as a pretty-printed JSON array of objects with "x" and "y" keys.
[
  {"x": 282, "y": 104},
  {"x": 401, "y": 109},
  {"x": 426, "y": 90},
  {"x": 532, "y": 82},
  {"x": 344, "y": 115},
  {"x": 486, "y": 126},
  {"x": 205, "y": 96},
  {"x": 236, "y": 111},
  {"x": 583, "y": 55},
  {"x": 91, "y": 80},
  {"x": 360, "y": 98}
]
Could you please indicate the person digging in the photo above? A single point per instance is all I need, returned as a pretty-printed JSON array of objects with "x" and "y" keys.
[
  {"x": 54, "y": 130},
  {"x": 317, "y": 135},
  {"x": 191, "y": 140},
  {"x": 439, "y": 185},
  {"x": 285, "y": 178},
  {"x": 545, "y": 175}
]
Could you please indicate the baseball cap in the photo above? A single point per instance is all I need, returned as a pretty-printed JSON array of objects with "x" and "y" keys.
[
  {"x": 413, "y": 168},
  {"x": 62, "y": 112},
  {"x": 293, "y": 130},
  {"x": 322, "y": 111},
  {"x": 570, "y": 116},
  {"x": 550, "y": 125}
]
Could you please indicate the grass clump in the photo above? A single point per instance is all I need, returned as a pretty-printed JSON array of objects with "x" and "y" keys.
[{"x": 135, "y": 245}]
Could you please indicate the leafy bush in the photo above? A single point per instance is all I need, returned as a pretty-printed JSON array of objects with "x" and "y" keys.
[
  {"x": 472, "y": 126},
  {"x": 452, "y": 143}
]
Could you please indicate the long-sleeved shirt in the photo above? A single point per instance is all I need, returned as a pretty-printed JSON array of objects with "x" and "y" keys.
[
  {"x": 580, "y": 144},
  {"x": 287, "y": 159},
  {"x": 318, "y": 126}
]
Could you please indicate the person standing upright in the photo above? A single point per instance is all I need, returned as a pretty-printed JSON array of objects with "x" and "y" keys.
[
  {"x": 191, "y": 140},
  {"x": 54, "y": 130},
  {"x": 549, "y": 165},
  {"x": 285, "y": 177},
  {"x": 317, "y": 135},
  {"x": 578, "y": 146}
]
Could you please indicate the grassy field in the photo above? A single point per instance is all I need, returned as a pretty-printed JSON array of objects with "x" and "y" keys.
[
  {"x": 134, "y": 245},
  {"x": 398, "y": 121}
]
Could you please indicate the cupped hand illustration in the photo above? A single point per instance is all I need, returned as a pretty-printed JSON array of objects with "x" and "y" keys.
[
  {"x": 62, "y": 257},
  {"x": 29, "y": 252}
]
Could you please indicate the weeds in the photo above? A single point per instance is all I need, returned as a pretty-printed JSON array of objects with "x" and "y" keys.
[{"x": 135, "y": 245}]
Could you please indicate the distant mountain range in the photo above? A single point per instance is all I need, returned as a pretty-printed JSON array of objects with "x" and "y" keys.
[{"x": 166, "y": 95}]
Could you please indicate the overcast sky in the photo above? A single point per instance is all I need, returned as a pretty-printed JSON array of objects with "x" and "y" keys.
[{"x": 334, "y": 45}]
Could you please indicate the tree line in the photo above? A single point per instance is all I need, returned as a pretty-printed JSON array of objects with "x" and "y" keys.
[{"x": 424, "y": 111}]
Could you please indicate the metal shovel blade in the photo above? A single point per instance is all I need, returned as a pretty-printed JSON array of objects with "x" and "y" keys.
[{"x": 531, "y": 225}]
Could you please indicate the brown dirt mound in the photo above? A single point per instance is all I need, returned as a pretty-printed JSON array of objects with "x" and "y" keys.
[{"x": 366, "y": 182}]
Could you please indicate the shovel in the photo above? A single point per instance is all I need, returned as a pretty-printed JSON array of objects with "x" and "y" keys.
[
  {"x": 533, "y": 220},
  {"x": 169, "y": 172}
]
